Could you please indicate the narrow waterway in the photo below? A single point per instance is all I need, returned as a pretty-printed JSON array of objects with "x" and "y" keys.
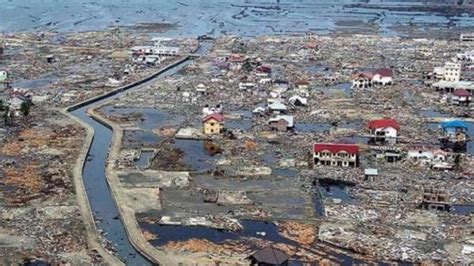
[{"x": 100, "y": 198}]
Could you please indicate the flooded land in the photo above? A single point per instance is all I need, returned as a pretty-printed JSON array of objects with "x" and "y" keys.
[
  {"x": 244, "y": 17},
  {"x": 218, "y": 132}
]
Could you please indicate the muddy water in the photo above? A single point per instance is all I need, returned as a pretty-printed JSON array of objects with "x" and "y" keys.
[
  {"x": 237, "y": 17},
  {"x": 168, "y": 233},
  {"x": 144, "y": 159}
]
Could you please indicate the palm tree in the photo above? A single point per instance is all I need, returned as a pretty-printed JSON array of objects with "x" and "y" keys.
[
  {"x": 457, "y": 161},
  {"x": 6, "y": 114},
  {"x": 25, "y": 108}
]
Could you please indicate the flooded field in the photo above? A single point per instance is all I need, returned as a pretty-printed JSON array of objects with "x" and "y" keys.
[
  {"x": 242, "y": 17},
  {"x": 169, "y": 233}
]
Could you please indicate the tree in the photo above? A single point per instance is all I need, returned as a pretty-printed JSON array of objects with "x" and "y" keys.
[
  {"x": 2, "y": 106},
  {"x": 6, "y": 114},
  {"x": 247, "y": 66},
  {"x": 25, "y": 108},
  {"x": 457, "y": 161}
]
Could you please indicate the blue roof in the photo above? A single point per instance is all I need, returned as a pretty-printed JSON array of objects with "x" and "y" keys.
[{"x": 454, "y": 124}]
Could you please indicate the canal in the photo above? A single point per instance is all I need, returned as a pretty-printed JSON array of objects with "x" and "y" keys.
[{"x": 100, "y": 198}]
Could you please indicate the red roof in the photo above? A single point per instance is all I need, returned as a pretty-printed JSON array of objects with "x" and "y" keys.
[
  {"x": 311, "y": 45},
  {"x": 384, "y": 123},
  {"x": 264, "y": 69},
  {"x": 367, "y": 75},
  {"x": 384, "y": 72},
  {"x": 461, "y": 93},
  {"x": 335, "y": 148},
  {"x": 236, "y": 58},
  {"x": 215, "y": 116}
]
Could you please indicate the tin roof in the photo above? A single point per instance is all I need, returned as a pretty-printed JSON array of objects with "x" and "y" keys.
[{"x": 270, "y": 256}]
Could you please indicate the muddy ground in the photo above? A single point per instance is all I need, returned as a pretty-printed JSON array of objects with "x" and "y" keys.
[{"x": 262, "y": 175}]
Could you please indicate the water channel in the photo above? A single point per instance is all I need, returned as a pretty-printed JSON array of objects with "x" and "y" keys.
[{"x": 100, "y": 199}]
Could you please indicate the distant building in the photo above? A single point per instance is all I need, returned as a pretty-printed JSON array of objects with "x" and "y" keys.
[
  {"x": 277, "y": 107},
  {"x": 4, "y": 81},
  {"x": 435, "y": 199},
  {"x": 429, "y": 155},
  {"x": 16, "y": 99},
  {"x": 467, "y": 37},
  {"x": 452, "y": 71},
  {"x": 362, "y": 80},
  {"x": 467, "y": 56},
  {"x": 450, "y": 86},
  {"x": 384, "y": 130},
  {"x": 461, "y": 97},
  {"x": 281, "y": 122},
  {"x": 454, "y": 127},
  {"x": 213, "y": 124},
  {"x": 383, "y": 76},
  {"x": 297, "y": 100},
  {"x": 370, "y": 174},
  {"x": 335, "y": 154}
]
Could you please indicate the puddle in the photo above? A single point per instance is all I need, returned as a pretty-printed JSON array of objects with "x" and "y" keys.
[
  {"x": 344, "y": 88},
  {"x": 287, "y": 172},
  {"x": 269, "y": 158},
  {"x": 196, "y": 155},
  {"x": 139, "y": 138},
  {"x": 144, "y": 159},
  {"x": 462, "y": 209},
  {"x": 244, "y": 123},
  {"x": 336, "y": 192},
  {"x": 148, "y": 118},
  {"x": 35, "y": 83},
  {"x": 168, "y": 233},
  {"x": 306, "y": 127},
  {"x": 317, "y": 69},
  {"x": 433, "y": 112},
  {"x": 354, "y": 139}
]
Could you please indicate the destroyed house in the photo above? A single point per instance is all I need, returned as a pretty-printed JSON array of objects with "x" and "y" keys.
[
  {"x": 281, "y": 122},
  {"x": 332, "y": 154},
  {"x": 426, "y": 153},
  {"x": 277, "y": 107},
  {"x": 297, "y": 100},
  {"x": 435, "y": 199},
  {"x": 263, "y": 70},
  {"x": 16, "y": 98}
]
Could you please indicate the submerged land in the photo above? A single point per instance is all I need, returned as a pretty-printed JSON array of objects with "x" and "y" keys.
[{"x": 124, "y": 145}]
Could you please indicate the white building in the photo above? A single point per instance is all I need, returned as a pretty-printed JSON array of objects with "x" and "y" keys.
[
  {"x": 335, "y": 154},
  {"x": 467, "y": 37},
  {"x": 466, "y": 56},
  {"x": 383, "y": 76},
  {"x": 384, "y": 130},
  {"x": 277, "y": 107},
  {"x": 452, "y": 71}
]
